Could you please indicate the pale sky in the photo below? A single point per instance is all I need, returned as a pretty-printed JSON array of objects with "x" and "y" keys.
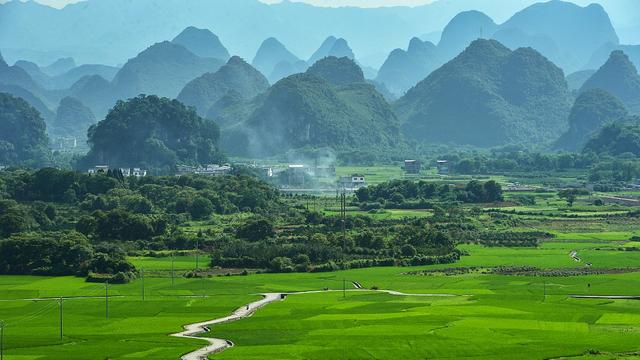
[{"x": 359, "y": 3}]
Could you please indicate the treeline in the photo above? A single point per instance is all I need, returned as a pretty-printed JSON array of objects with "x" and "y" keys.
[
  {"x": 317, "y": 243},
  {"x": 86, "y": 214},
  {"x": 62, "y": 253},
  {"x": 411, "y": 194}
]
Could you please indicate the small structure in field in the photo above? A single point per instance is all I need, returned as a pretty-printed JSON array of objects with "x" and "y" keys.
[
  {"x": 98, "y": 169},
  {"x": 353, "y": 182},
  {"x": 137, "y": 172},
  {"x": 412, "y": 166},
  {"x": 208, "y": 170},
  {"x": 443, "y": 167}
]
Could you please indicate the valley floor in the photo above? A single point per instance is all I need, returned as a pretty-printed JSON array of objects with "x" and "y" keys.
[{"x": 532, "y": 315}]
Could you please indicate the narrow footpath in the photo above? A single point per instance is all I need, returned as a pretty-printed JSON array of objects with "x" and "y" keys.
[{"x": 192, "y": 331}]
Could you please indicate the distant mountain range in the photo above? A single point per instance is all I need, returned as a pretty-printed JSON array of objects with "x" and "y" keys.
[
  {"x": 487, "y": 96},
  {"x": 42, "y": 34},
  {"x": 567, "y": 34}
]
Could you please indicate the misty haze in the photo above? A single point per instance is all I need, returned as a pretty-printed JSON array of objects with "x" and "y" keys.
[{"x": 319, "y": 179}]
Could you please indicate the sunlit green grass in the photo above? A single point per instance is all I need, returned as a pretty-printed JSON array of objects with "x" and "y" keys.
[{"x": 494, "y": 316}]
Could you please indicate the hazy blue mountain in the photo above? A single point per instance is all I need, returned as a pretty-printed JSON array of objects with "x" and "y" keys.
[
  {"x": 488, "y": 96},
  {"x": 332, "y": 47},
  {"x": 285, "y": 68},
  {"x": 65, "y": 80},
  {"x": 32, "y": 99},
  {"x": 236, "y": 75},
  {"x": 337, "y": 71},
  {"x": 564, "y": 32},
  {"x": 162, "y": 69},
  {"x": 578, "y": 78},
  {"x": 15, "y": 75},
  {"x": 59, "y": 66},
  {"x": 95, "y": 92},
  {"x": 619, "y": 77},
  {"x": 34, "y": 72},
  {"x": 112, "y": 23},
  {"x": 462, "y": 30},
  {"x": 39, "y": 32},
  {"x": 72, "y": 119},
  {"x": 403, "y": 69},
  {"x": 270, "y": 54},
  {"x": 304, "y": 110},
  {"x": 601, "y": 55},
  {"x": 592, "y": 109},
  {"x": 202, "y": 42}
]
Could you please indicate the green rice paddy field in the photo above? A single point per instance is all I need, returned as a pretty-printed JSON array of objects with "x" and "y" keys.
[{"x": 492, "y": 317}]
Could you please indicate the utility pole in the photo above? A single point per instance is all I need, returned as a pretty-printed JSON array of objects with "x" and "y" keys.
[
  {"x": 343, "y": 214},
  {"x": 142, "y": 278},
  {"x": 344, "y": 288},
  {"x": 61, "y": 303},
  {"x": 172, "y": 269},
  {"x": 1, "y": 340},
  {"x": 197, "y": 247},
  {"x": 106, "y": 299}
]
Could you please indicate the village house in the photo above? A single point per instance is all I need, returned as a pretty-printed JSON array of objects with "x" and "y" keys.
[
  {"x": 412, "y": 166},
  {"x": 353, "y": 182},
  {"x": 443, "y": 167}
]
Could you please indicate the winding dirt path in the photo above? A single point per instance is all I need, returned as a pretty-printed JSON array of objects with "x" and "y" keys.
[{"x": 217, "y": 345}]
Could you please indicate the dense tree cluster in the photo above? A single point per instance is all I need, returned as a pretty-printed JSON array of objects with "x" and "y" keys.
[
  {"x": 617, "y": 139},
  {"x": 320, "y": 245},
  {"x": 106, "y": 213},
  {"x": 59, "y": 253},
  {"x": 153, "y": 133},
  {"x": 407, "y": 193},
  {"x": 22, "y": 133}
]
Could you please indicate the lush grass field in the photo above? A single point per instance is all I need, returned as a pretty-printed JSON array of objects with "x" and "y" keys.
[
  {"x": 492, "y": 317},
  {"x": 495, "y": 316}
]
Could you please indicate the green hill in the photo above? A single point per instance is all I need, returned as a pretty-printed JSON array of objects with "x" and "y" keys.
[
  {"x": 337, "y": 71},
  {"x": 304, "y": 110},
  {"x": 163, "y": 69},
  {"x": 236, "y": 76},
  {"x": 616, "y": 139},
  {"x": 619, "y": 77},
  {"x": 154, "y": 133},
  {"x": 593, "y": 109},
  {"x": 23, "y": 139},
  {"x": 488, "y": 96}
]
